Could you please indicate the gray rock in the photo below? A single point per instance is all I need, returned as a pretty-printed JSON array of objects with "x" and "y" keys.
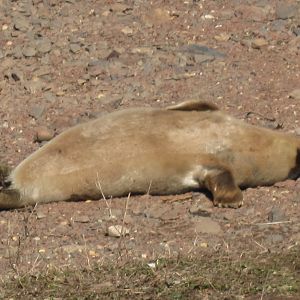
[
  {"x": 50, "y": 97},
  {"x": 201, "y": 50},
  {"x": 276, "y": 215},
  {"x": 278, "y": 25},
  {"x": 44, "y": 46},
  {"x": 286, "y": 11},
  {"x": 29, "y": 51},
  {"x": 21, "y": 23},
  {"x": 74, "y": 47},
  {"x": 17, "y": 52},
  {"x": 206, "y": 225},
  {"x": 36, "y": 111}
]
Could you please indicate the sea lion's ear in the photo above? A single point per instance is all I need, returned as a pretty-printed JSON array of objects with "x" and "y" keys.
[{"x": 193, "y": 105}]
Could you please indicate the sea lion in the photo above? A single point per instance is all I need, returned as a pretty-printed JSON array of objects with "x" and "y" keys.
[{"x": 185, "y": 147}]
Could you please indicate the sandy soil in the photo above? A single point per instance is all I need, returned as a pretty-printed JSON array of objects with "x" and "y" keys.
[{"x": 65, "y": 62}]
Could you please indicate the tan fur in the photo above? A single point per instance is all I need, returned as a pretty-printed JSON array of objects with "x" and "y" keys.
[{"x": 169, "y": 150}]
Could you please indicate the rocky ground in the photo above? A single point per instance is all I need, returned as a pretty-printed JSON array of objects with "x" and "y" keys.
[{"x": 65, "y": 62}]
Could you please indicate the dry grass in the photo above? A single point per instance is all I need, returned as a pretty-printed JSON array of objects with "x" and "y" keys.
[{"x": 213, "y": 277}]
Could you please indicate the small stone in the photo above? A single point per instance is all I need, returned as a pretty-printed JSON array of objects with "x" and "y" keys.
[
  {"x": 222, "y": 37},
  {"x": 259, "y": 43},
  {"x": 276, "y": 215},
  {"x": 295, "y": 94},
  {"x": 43, "y": 134},
  {"x": 73, "y": 248},
  {"x": 40, "y": 215},
  {"x": 74, "y": 47},
  {"x": 82, "y": 219},
  {"x": 17, "y": 52},
  {"x": 208, "y": 17},
  {"x": 117, "y": 231},
  {"x": 44, "y": 46},
  {"x": 286, "y": 11},
  {"x": 93, "y": 253},
  {"x": 29, "y": 51},
  {"x": 50, "y": 97},
  {"x": 127, "y": 30},
  {"x": 21, "y": 24},
  {"x": 36, "y": 111}
]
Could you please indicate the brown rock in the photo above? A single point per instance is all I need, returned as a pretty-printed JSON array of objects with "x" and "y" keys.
[
  {"x": 43, "y": 134},
  {"x": 259, "y": 43}
]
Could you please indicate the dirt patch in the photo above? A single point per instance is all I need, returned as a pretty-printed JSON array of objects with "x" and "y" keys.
[{"x": 62, "y": 63}]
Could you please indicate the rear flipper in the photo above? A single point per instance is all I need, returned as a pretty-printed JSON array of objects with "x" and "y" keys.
[
  {"x": 4, "y": 173},
  {"x": 220, "y": 182},
  {"x": 10, "y": 199}
]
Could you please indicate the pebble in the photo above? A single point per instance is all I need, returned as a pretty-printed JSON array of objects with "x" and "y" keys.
[
  {"x": 73, "y": 248},
  {"x": 222, "y": 37},
  {"x": 259, "y": 43},
  {"x": 117, "y": 231},
  {"x": 29, "y": 51},
  {"x": 286, "y": 11},
  {"x": 81, "y": 219},
  {"x": 127, "y": 30},
  {"x": 21, "y": 24},
  {"x": 43, "y": 134},
  {"x": 36, "y": 111},
  {"x": 74, "y": 47},
  {"x": 276, "y": 215},
  {"x": 295, "y": 94},
  {"x": 40, "y": 215},
  {"x": 44, "y": 46}
]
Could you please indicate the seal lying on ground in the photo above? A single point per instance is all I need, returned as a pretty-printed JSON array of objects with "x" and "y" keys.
[{"x": 181, "y": 148}]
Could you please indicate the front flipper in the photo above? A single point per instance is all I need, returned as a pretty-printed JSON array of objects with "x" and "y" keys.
[
  {"x": 220, "y": 182},
  {"x": 193, "y": 105}
]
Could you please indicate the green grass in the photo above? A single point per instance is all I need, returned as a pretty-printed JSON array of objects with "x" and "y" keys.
[{"x": 219, "y": 277}]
